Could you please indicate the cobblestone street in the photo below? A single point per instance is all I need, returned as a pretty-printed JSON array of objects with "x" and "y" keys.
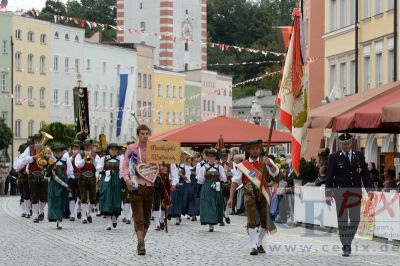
[{"x": 25, "y": 243}]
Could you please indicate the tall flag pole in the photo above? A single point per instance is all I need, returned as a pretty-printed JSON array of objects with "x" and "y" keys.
[{"x": 292, "y": 98}]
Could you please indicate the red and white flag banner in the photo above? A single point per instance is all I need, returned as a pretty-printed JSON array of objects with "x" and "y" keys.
[{"x": 292, "y": 98}]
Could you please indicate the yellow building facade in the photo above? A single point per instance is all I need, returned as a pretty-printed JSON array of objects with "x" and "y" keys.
[
  {"x": 32, "y": 65},
  {"x": 169, "y": 100},
  {"x": 375, "y": 59}
]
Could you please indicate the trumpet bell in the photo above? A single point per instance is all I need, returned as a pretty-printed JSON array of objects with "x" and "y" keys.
[{"x": 45, "y": 137}]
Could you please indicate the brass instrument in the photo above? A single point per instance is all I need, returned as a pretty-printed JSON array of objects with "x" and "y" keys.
[
  {"x": 88, "y": 156},
  {"x": 44, "y": 154}
]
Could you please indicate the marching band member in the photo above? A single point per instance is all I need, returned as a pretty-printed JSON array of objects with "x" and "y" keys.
[
  {"x": 180, "y": 174},
  {"x": 126, "y": 196},
  {"x": 211, "y": 204},
  {"x": 73, "y": 183},
  {"x": 226, "y": 185},
  {"x": 58, "y": 195},
  {"x": 22, "y": 183},
  {"x": 37, "y": 183},
  {"x": 253, "y": 202},
  {"x": 193, "y": 202},
  {"x": 110, "y": 185},
  {"x": 87, "y": 179}
]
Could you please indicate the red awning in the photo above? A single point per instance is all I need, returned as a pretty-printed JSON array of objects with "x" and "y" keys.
[
  {"x": 233, "y": 131},
  {"x": 368, "y": 116}
]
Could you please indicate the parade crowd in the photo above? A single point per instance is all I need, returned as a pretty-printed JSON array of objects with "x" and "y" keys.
[{"x": 81, "y": 181}]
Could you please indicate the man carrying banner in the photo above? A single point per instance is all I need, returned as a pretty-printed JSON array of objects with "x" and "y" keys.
[{"x": 249, "y": 172}]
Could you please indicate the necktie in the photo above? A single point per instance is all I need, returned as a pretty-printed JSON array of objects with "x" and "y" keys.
[{"x": 348, "y": 157}]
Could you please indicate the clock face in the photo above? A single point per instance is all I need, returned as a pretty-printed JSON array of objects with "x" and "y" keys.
[{"x": 187, "y": 31}]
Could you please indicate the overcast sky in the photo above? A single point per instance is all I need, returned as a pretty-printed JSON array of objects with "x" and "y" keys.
[{"x": 27, "y": 4}]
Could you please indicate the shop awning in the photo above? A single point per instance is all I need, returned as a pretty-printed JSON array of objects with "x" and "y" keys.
[
  {"x": 360, "y": 113},
  {"x": 233, "y": 131}
]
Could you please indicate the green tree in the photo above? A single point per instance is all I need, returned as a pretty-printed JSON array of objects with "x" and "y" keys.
[
  {"x": 6, "y": 135},
  {"x": 52, "y": 8},
  {"x": 60, "y": 132}
]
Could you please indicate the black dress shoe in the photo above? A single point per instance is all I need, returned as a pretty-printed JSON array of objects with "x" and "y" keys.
[
  {"x": 89, "y": 219},
  {"x": 158, "y": 228},
  {"x": 115, "y": 225},
  {"x": 72, "y": 219},
  {"x": 124, "y": 220},
  {"x": 193, "y": 219},
  {"x": 98, "y": 214},
  {"x": 79, "y": 215},
  {"x": 141, "y": 250},
  {"x": 254, "y": 252},
  {"x": 162, "y": 226},
  {"x": 84, "y": 221},
  {"x": 346, "y": 250},
  {"x": 228, "y": 220},
  {"x": 28, "y": 216},
  {"x": 261, "y": 249},
  {"x": 152, "y": 218},
  {"x": 221, "y": 224},
  {"x": 41, "y": 217},
  {"x": 23, "y": 215},
  {"x": 36, "y": 220},
  {"x": 128, "y": 221}
]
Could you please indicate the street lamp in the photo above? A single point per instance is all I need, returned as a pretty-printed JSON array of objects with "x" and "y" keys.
[{"x": 256, "y": 112}]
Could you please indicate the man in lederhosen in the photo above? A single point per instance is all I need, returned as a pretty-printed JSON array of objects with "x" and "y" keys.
[
  {"x": 253, "y": 202},
  {"x": 87, "y": 179},
  {"x": 73, "y": 183},
  {"x": 346, "y": 174},
  {"x": 37, "y": 183}
]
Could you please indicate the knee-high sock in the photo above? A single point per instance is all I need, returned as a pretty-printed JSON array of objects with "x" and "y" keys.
[
  {"x": 253, "y": 237},
  {"x": 72, "y": 208},
  {"x": 114, "y": 219},
  {"x": 84, "y": 207},
  {"x": 109, "y": 221},
  {"x": 89, "y": 209},
  {"x": 78, "y": 206},
  {"x": 261, "y": 235},
  {"x": 162, "y": 216},
  {"x": 23, "y": 208},
  {"x": 127, "y": 208},
  {"x": 41, "y": 207},
  {"x": 27, "y": 204},
  {"x": 227, "y": 211},
  {"x": 156, "y": 215},
  {"x": 35, "y": 210}
]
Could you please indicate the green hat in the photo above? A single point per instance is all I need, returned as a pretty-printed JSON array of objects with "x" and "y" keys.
[
  {"x": 29, "y": 142},
  {"x": 22, "y": 148},
  {"x": 37, "y": 136},
  {"x": 130, "y": 142},
  {"x": 57, "y": 146},
  {"x": 246, "y": 145},
  {"x": 211, "y": 151},
  {"x": 76, "y": 142},
  {"x": 88, "y": 142},
  {"x": 113, "y": 145},
  {"x": 224, "y": 152}
]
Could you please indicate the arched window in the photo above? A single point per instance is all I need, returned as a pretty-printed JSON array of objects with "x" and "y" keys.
[
  {"x": 31, "y": 63},
  {"x": 18, "y": 65},
  {"x": 30, "y": 36}
]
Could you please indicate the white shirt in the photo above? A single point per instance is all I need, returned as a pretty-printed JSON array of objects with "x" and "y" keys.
[
  {"x": 100, "y": 164},
  {"x": 70, "y": 168},
  {"x": 174, "y": 177},
  {"x": 80, "y": 162},
  {"x": 238, "y": 176},
  {"x": 201, "y": 177}
]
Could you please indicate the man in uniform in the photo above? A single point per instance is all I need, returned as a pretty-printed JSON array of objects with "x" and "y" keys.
[
  {"x": 253, "y": 202},
  {"x": 37, "y": 183},
  {"x": 73, "y": 182},
  {"x": 87, "y": 179},
  {"x": 346, "y": 174}
]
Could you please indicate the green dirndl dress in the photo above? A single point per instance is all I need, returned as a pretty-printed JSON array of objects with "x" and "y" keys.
[
  {"x": 211, "y": 202},
  {"x": 111, "y": 190},
  {"x": 57, "y": 195}
]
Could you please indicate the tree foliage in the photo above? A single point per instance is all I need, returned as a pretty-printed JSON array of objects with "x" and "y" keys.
[
  {"x": 60, "y": 132},
  {"x": 248, "y": 24},
  {"x": 6, "y": 135}
]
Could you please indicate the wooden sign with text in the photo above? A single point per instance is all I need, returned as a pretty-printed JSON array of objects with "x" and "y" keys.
[{"x": 163, "y": 151}]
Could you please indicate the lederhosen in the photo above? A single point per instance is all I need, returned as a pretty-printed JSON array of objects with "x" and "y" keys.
[
  {"x": 87, "y": 183},
  {"x": 254, "y": 203},
  {"x": 37, "y": 183}
]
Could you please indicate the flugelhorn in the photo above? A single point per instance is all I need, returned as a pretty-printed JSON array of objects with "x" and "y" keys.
[{"x": 45, "y": 137}]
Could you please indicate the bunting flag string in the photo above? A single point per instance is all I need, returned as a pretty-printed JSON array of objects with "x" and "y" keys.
[{"x": 174, "y": 38}]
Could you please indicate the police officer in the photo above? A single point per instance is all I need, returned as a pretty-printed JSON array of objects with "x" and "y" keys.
[{"x": 346, "y": 174}]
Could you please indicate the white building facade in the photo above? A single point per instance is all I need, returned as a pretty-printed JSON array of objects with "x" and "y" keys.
[
  {"x": 223, "y": 84},
  {"x": 177, "y": 28},
  {"x": 103, "y": 67},
  {"x": 65, "y": 62}
]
